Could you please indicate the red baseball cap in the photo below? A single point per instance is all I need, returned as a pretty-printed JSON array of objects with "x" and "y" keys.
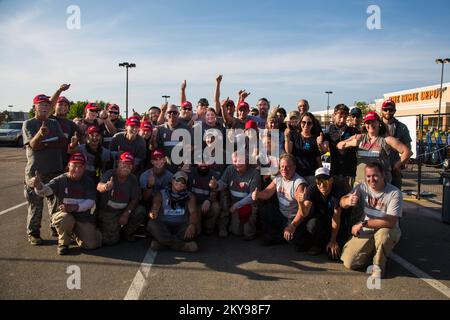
[
  {"x": 250, "y": 124},
  {"x": 244, "y": 105},
  {"x": 41, "y": 98},
  {"x": 157, "y": 153},
  {"x": 186, "y": 104},
  {"x": 146, "y": 125},
  {"x": 371, "y": 116},
  {"x": 133, "y": 121},
  {"x": 93, "y": 129},
  {"x": 230, "y": 103},
  {"x": 113, "y": 106},
  {"x": 91, "y": 106},
  {"x": 388, "y": 103},
  {"x": 126, "y": 157},
  {"x": 77, "y": 158},
  {"x": 63, "y": 99}
]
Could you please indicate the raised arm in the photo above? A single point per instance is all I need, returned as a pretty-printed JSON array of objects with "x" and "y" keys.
[
  {"x": 54, "y": 98},
  {"x": 217, "y": 94},
  {"x": 183, "y": 92},
  {"x": 226, "y": 117}
]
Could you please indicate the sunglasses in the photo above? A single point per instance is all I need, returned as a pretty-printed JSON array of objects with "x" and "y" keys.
[
  {"x": 173, "y": 112},
  {"x": 306, "y": 123},
  {"x": 186, "y": 109},
  {"x": 325, "y": 182},
  {"x": 113, "y": 112},
  {"x": 181, "y": 180},
  {"x": 93, "y": 111},
  {"x": 389, "y": 110}
]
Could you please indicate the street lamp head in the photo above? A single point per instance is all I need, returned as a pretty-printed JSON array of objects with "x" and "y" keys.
[
  {"x": 447, "y": 60},
  {"x": 123, "y": 64},
  {"x": 329, "y": 92},
  {"x": 132, "y": 65},
  {"x": 439, "y": 61}
]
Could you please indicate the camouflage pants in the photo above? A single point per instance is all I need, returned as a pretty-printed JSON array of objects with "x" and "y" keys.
[
  {"x": 110, "y": 227},
  {"x": 84, "y": 233},
  {"x": 208, "y": 219},
  {"x": 36, "y": 206}
]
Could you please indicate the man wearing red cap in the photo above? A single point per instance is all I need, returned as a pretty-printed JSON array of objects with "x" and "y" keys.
[
  {"x": 76, "y": 195},
  {"x": 130, "y": 141},
  {"x": 241, "y": 180},
  {"x": 186, "y": 113},
  {"x": 156, "y": 178},
  {"x": 94, "y": 115},
  {"x": 397, "y": 130},
  {"x": 98, "y": 158},
  {"x": 146, "y": 132},
  {"x": 43, "y": 140},
  {"x": 119, "y": 202}
]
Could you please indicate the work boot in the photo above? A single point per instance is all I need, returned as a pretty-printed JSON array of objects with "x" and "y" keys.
[
  {"x": 62, "y": 250},
  {"x": 34, "y": 240},
  {"x": 190, "y": 246},
  {"x": 157, "y": 246}
]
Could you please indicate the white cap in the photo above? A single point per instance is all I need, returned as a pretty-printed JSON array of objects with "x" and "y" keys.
[{"x": 322, "y": 172}]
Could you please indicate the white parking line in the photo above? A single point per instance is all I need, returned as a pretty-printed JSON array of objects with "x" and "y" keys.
[
  {"x": 439, "y": 286},
  {"x": 140, "y": 279},
  {"x": 13, "y": 208}
]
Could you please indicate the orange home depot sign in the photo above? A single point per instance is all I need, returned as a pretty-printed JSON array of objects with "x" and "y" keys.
[{"x": 418, "y": 96}]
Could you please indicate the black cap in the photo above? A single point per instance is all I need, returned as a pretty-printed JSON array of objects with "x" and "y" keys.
[{"x": 356, "y": 111}]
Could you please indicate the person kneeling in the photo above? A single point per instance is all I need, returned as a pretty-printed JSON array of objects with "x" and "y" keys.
[
  {"x": 75, "y": 192},
  {"x": 378, "y": 231},
  {"x": 174, "y": 217}
]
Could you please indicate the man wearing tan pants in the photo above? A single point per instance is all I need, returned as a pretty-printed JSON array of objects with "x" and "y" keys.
[
  {"x": 75, "y": 192},
  {"x": 377, "y": 234}
]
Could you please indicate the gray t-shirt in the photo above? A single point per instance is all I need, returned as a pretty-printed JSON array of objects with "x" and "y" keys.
[
  {"x": 47, "y": 160},
  {"x": 161, "y": 182},
  {"x": 74, "y": 192},
  {"x": 121, "y": 195},
  {"x": 241, "y": 186},
  {"x": 380, "y": 204},
  {"x": 286, "y": 194}
]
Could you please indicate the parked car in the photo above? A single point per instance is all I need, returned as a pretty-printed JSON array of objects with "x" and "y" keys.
[{"x": 11, "y": 132}]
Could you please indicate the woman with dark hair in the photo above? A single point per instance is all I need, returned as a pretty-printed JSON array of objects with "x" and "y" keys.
[
  {"x": 374, "y": 145},
  {"x": 304, "y": 147}
]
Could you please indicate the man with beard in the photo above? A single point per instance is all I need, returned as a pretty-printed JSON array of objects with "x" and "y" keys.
[
  {"x": 174, "y": 217},
  {"x": 75, "y": 192},
  {"x": 356, "y": 119},
  {"x": 207, "y": 201},
  {"x": 43, "y": 140},
  {"x": 263, "y": 111},
  {"x": 119, "y": 202},
  {"x": 130, "y": 141},
  {"x": 397, "y": 130},
  {"x": 343, "y": 164}
]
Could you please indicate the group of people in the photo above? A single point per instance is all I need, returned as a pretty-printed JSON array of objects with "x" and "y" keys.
[{"x": 103, "y": 177}]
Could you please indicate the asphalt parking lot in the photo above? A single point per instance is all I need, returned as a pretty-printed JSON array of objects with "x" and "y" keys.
[{"x": 223, "y": 269}]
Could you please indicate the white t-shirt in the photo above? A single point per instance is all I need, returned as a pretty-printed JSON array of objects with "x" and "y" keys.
[{"x": 286, "y": 194}]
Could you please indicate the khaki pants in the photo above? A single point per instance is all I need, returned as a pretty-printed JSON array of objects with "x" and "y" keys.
[
  {"x": 358, "y": 252},
  {"x": 247, "y": 229},
  {"x": 208, "y": 219},
  {"x": 85, "y": 233}
]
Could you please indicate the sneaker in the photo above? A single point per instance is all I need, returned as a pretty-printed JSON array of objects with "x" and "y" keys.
[
  {"x": 314, "y": 251},
  {"x": 157, "y": 246},
  {"x": 63, "y": 250},
  {"x": 190, "y": 246},
  {"x": 35, "y": 241},
  {"x": 53, "y": 232},
  {"x": 129, "y": 237}
]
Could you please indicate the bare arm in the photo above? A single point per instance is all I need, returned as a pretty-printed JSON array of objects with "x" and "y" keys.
[
  {"x": 266, "y": 193},
  {"x": 54, "y": 98},
  {"x": 226, "y": 117},
  {"x": 405, "y": 152},
  {"x": 217, "y": 94},
  {"x": 162, "y": 115},
  {"x": 350, "y": 142}
]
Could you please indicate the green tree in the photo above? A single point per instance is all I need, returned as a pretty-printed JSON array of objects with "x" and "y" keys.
[
  {"x": 31, "y": 113},
  {"x": 77, "y": 108},
  {"x": 364, "y": 106}
]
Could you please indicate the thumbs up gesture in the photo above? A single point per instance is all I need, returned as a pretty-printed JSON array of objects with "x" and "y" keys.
[
  {"x": 74, "y": 141},
  {"x": 43, "y": 130},
  {"x": 109, "y": 185},
  {"x": 36, "y": 181},
  {"x": 213, "y": 183},
  {"x": 320, "y": 139},
  {"x": 353, "y": 198},
  {"x": 255, "y": 194}
]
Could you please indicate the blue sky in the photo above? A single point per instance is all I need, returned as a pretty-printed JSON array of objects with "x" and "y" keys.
[{"x": 282, "y": 50}]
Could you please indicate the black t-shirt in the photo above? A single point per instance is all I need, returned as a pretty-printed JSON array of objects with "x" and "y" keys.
[
  {"x": 345, "y": 163},
  {"x": 323, "y": 207},
  {"x": 305, "y": 151}
]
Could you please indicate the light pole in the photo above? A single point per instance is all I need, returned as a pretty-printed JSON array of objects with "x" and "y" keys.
[
  {"x": 128, "y": 66},
  {"x": 328, "y": 107},
  {"x": 441, "y": 61},
  {"x": 166, "y": 98}
]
